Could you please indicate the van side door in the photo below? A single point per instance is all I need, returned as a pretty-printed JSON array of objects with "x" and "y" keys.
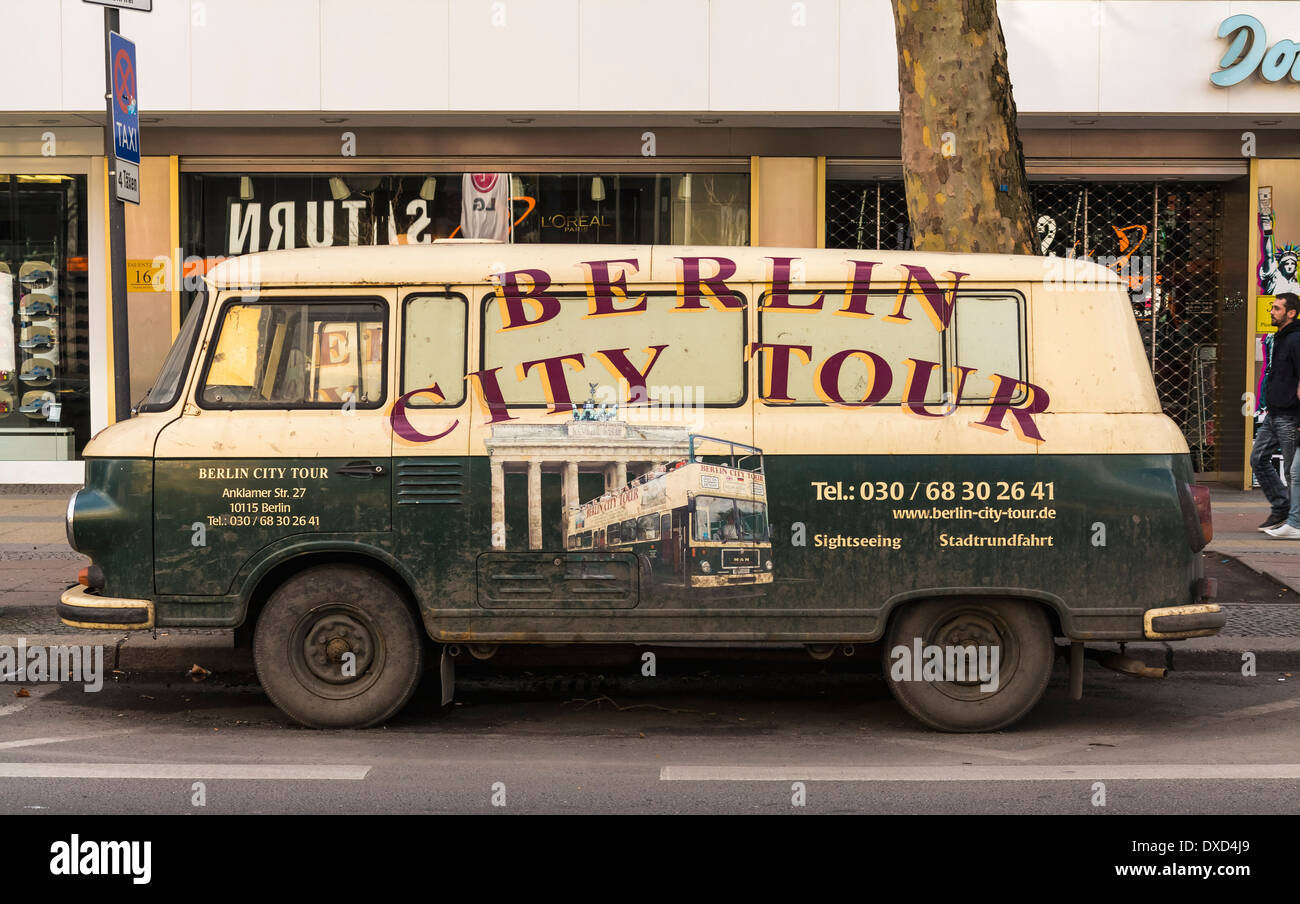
[
  {"x": 284, "y": 438},
  {"x": 434, "y": 479}
]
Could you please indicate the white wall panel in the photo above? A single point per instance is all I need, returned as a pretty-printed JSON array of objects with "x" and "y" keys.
[
  {"x": 774, "y": 55},
  {"x": 644, "y": 55},
  {"x": 868, "y": 70},
  {"x": 1053, "y": 52},
  {"x": 258, "y": 55},
  {"x": 30, "y": 69},
  {"x": 82, "y": 53},
  {"x": 384, "y": 55},
  {"x": 1157, "y": 57},
  {"x": 517, "y": 55},
  {"x": 162, "y": 40},
  {"x": 1065, "y": 56}
]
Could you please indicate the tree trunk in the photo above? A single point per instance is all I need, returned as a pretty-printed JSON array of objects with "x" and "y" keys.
[{"x": 963, "y": 167}]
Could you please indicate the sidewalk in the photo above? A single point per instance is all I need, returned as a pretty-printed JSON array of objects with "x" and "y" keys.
[
  {"x": 36, "y": 565},
  {"x": 1237, "y": 515}
]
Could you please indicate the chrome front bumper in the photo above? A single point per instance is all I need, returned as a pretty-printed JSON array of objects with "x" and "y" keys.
[{"x": 80, "y": 608}]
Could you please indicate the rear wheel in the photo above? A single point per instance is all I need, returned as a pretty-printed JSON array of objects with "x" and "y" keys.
[
  {"x": 336, "y": 646},
  {"x": 1014, "y": 653}
]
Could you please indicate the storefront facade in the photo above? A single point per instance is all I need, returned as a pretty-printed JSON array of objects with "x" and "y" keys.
[{"x": 1162, "y": 183}]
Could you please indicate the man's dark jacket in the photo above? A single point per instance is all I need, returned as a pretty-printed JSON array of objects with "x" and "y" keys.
[{"x": 1284, "y": 372}]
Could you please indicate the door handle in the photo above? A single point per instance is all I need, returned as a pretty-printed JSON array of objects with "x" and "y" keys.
[{"x": 360, "y": 469}]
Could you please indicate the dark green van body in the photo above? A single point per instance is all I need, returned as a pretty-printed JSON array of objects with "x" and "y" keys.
[{"x": 1099, "y": 539}]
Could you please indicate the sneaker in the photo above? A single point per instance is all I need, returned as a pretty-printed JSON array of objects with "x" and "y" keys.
[
  {"x": 36, "y": 373},
  {"x": 37, "y": 343},
  {"x": 1272, "y": 521},
  {"x": 38, "y": 309},
  {"x": 1284, "y": 531},
  {"x": 38, "y": 274}
]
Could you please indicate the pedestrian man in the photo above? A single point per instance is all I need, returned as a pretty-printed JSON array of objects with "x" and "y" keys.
[{"x": 1282, "y": 408}]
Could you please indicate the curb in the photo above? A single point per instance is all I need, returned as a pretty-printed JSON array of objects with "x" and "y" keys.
[{"x": 1216, "y": 654}]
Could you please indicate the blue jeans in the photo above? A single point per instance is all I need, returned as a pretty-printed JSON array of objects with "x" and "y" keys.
[
  {"x": 1277, "y": 430},
  {"x": 1293, "y": 516}
]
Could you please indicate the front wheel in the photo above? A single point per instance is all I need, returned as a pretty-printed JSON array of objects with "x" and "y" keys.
[
  {"x": 336, "y": 646},
  {"x": 969, "y": 665}
]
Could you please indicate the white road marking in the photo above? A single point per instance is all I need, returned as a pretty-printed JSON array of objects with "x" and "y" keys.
[
  {"x": 36, "y": 742},
  {"x": 1261, "y": 709},
  {"x": 999, "y": 773},
  {"x": 1019, "y": 756},
  {"x": 22, "y": 703},
  {"x": 211, "y": 771},
  {"x": 1258, "y": 710}
]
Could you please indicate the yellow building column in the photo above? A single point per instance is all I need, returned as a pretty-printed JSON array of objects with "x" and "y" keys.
[{"x": 787, "y": 201}]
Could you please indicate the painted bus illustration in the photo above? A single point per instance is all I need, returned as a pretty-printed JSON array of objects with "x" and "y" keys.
[{"x": 698, "y": 522}]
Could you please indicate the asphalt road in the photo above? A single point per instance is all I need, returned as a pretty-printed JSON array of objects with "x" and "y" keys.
[{"x": 691, "y": 741}]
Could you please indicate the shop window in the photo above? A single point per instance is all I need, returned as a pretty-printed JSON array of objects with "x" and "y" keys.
[
  {"x": 44, "y": 320},
  {"x": 230, "y": 214},
  {"x": 296, "y": 354}
]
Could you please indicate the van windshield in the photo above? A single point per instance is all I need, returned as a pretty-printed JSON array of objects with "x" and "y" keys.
[{"x": 167, "y": 386}]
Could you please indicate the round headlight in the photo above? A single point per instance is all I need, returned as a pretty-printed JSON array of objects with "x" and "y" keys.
[
  {"x": 768, "y": 564},
  {"x": 705, "y": 566}
]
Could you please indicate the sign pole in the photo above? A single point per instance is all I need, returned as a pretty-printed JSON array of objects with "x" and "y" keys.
[{"x": 116, "y": 242}]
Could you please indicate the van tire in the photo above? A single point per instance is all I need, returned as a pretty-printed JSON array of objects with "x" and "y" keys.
[
  {"x": 309, "y": 624},
  {"x": 1019, "y": 629}
]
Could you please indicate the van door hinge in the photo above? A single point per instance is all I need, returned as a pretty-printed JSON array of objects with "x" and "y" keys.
[{"x": 190, "y": 410}]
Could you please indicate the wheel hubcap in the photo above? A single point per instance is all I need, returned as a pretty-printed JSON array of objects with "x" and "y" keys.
[
  {"x": 327, "y": 646},
  {"x": 336, "y": 651},
  {"x": 991, "y": 637}
]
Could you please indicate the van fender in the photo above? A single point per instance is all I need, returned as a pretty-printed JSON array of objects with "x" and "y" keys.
[
  {"x": 1062, "y": 618},
  {"x": 285, "y": 551}
]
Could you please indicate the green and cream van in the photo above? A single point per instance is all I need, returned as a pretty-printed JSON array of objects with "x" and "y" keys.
[{"x": 378, "y": 456}]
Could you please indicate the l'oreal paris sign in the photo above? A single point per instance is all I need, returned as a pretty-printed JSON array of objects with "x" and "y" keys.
[{"x": 1249, "y": 51}]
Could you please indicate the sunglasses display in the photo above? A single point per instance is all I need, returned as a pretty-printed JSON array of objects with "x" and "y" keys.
[{"x": 44, "y": 317}]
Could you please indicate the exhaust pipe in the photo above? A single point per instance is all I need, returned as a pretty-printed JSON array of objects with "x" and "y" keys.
[{"x": 1126, "y": 665}]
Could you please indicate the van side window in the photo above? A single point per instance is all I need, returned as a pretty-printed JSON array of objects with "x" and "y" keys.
[
  {"x": 989, "y": 336},
  {"x": 434, "y": 348},
  {"x": 701, "y": 363},
  {"x": 294, "y": 353},
  {"x": 827, "y": 330}
]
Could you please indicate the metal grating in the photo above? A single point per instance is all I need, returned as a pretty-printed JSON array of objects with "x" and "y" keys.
[{"x": 1165, "y": 239}]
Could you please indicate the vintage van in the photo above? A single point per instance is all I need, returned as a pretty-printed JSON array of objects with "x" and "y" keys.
[{"x": 375, "y": 455}]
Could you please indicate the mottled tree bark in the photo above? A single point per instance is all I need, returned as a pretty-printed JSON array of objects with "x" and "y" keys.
[{"x": 963, "y": 167}]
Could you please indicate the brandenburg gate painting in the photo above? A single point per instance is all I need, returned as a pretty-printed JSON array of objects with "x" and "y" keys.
[{"x": 592, "y": 442}]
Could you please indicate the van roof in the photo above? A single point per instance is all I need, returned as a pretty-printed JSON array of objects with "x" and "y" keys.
[{"x": 470, "y": 263}]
